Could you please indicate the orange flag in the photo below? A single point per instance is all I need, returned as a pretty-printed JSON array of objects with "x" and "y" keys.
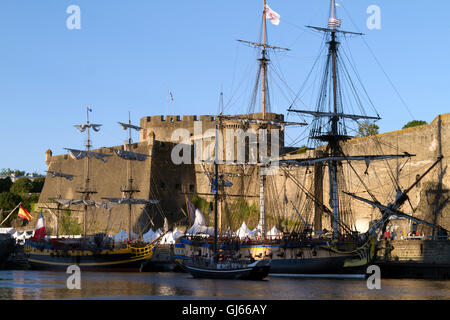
[{"x": 24, "y": 214}]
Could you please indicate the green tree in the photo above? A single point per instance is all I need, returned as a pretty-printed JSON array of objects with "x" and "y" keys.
[
  {"x": 414, "y": 123},
  {"x": 68, "y": 224},
  {"x": 38, "y": 184},
  {"x": 21, "y": 186},
  {"x": 8, "y": 201},
  {"x": 7, "y": 172},
  {"x": 5, "y": 184},
  {"x": 366, "y": 129}
]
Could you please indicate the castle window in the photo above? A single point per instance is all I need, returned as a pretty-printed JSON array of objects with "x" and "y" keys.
[
  {"x": 191, "y": 188},
  {"x": 162, "y": 185},
  {"x": 178, "y": 187}
]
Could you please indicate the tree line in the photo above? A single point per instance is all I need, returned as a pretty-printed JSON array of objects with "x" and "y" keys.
[{"x": 23, "y": 191}]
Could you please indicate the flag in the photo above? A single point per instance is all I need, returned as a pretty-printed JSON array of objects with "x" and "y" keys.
[
  {"x": 191, "y": 211},
  {"x": 227, "y": 183},
  {"x": 214, "y": 186},
  {"x": 272, "y": 16},
  {"x": 24, "y": 214},
  {"x": 171, "y": 96},
  {"x": 39, "y": 232},
  {"x": 89, "y": 108}
]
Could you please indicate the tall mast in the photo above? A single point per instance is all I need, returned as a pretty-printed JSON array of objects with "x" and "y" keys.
[
  {"x": 87, "y": 191},
  {"x": 264, "y": 63},
  {"x": 216, "y": 194},
  {"x": 129, "y": 190},
  {"x": 334, "y": 144},
  {"x": 263, "y": 60}
]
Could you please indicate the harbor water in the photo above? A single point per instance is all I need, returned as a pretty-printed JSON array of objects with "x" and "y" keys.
[{"x": 37, "y": 285}]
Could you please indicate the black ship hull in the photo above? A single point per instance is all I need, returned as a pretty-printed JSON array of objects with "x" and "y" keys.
[
  {"x": 256, "y": 271},
  {"x": 295, "y": 258},
  {"x": 6, "y": 247}
]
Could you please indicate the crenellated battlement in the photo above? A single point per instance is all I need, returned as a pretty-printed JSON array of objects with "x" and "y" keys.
[{"x": 160, "y": 128}]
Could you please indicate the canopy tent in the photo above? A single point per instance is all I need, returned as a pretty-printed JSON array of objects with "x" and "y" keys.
[
  {"x": 7, "y": 230},
  {"x": 199, "y": 226},
  {"x": 171, "y": 236},
  {"x": 122, "y": 236},
  {"x": 243, "y": 231},
  {"x": 177, "y": 234},
  {"x": 150, "y": 236},
  {"x": 228, "y": 233},
  {"x": 257, "y": 231},
  {"x": 274, "y": 233},
  {"x": 167, "y": 238}
]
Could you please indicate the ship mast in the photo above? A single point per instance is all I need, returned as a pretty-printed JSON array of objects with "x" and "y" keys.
[
  {"x": 333, "y": 130},
  {"x": 216, "y": 190},
  {"x": 129, "y": 190},
  {"x": 264, "y": 62},
  {"x": 334, "y": 143},
  {"x": 86, "y": 191}
]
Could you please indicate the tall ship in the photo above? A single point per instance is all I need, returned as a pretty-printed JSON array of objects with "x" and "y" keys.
[
  {"x": 307, "y": 247},
  {"x": 93, "y": 252}
]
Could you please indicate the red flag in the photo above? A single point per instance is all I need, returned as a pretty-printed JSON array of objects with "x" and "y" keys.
[{"x": 24, "y": 214}]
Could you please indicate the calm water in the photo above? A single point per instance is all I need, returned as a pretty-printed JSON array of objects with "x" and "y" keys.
[{"x": 52, "y": 285}]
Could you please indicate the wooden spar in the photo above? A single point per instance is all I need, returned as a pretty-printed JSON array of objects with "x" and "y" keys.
[{"x": 11, "y": 213}]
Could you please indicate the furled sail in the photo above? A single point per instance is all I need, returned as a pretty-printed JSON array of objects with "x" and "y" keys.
[
  {"x": 82, "y": 127},
  {"x": 126, "y": 126},
  {"x": 80, "y": 154},
  {"x": 61, "y": 175},
  {"x": 131, "y": 201},
  {"x": 368, "y": 158},
  {"x": 127, "y": 155},
  {"x": 98, "y": 204}
]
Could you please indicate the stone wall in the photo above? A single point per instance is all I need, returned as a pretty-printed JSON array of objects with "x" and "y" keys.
[{"x": 158, "y": 178}]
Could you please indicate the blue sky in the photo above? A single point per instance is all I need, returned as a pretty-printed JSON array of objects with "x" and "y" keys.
[{"x": 128, "y": 54}]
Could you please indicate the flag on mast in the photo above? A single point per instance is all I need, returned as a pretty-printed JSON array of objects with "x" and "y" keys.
[
  {"x": 24, "y": 214},
  {"x": 272, "y": 16},
  {"x": 89, "y": 108},
  {"x": 171, "y": 96},
  {"x": 40, "y": 232}
]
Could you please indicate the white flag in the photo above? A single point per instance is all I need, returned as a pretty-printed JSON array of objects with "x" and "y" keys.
[{"x": 272, "y": 16}]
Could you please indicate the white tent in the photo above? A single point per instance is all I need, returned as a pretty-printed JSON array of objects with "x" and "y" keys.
[
  {"x": 228, "y": 233},
  {"x": 150, "y": 236},
  {"x": 177, "y": 234},
  {"x": 257, "y": 231},
  {"x": 274, "y": 233},
  {"x": 243, "y": 231},
  {"x": 167, "y": 238},
  {"x": 7, "y": 230},
  {"x": 122, "y": 236},
  {"x": 199, "y": 226}
]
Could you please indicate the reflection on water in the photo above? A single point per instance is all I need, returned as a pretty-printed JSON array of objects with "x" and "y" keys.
[{"x": 22, "y": 285}]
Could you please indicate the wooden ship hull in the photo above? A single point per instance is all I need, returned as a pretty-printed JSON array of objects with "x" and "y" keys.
[
  {"x": 291, "y": 258},
  {"x": 44, "y": 256}
]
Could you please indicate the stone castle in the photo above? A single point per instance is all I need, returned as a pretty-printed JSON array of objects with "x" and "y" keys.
[{"x": 159, "y": 178}]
